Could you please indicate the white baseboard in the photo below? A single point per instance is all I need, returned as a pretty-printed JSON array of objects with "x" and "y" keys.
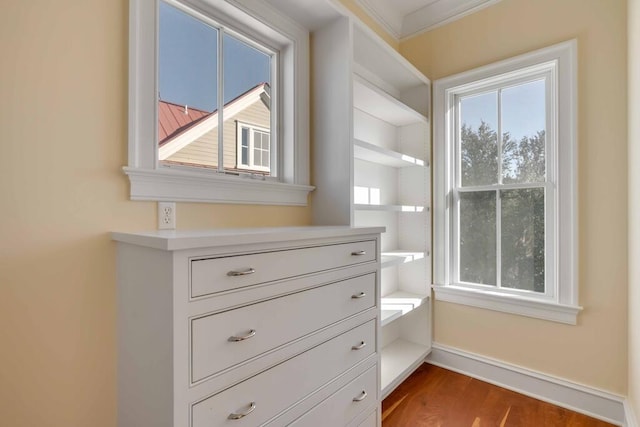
[
  {"x": 576, "y": 397},
  {"x": 629, "y": 415}
]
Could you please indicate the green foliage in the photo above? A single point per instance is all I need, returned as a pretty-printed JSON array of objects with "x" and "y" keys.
[
  {"x": 521, "y": 211},
  {"x": 479, "y": 155}
]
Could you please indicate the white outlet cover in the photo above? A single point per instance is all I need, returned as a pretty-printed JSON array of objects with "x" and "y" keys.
[{"x": 166, "y": 216}]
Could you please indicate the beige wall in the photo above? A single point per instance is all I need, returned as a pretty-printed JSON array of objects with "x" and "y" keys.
[
  {"x": 63, "y": 119},
  {"x": 595, "y": 351},
  {"x": 634, "y": 203}
]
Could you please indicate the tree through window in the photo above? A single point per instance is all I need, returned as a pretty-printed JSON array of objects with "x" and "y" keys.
[{"x": 501, "y": 187}]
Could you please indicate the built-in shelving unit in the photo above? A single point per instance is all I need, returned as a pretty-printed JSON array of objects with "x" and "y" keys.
[
  {"x": 374, "y": 153},
  {"x": 371, "y": 168},
  {"x": 399, "y": 359},
  {"x": 399, "y": 303}
]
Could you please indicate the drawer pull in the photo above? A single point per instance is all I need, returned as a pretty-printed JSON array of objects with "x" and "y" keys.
[
  {"x": 246, "y": 272},
  {"x": 358, "y": 296},
  {"x": 358, "y": 253},
  {"x": 361, "y": 397},
  {"x": 251, "y": 333},
  {"x": 239, "y": 415},
  {"x": 359, "y": 346}
]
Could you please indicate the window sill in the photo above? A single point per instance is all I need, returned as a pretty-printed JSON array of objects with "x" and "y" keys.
[
  {"x": 508, "y": 304},
  {"x": 187, "y": 186}
]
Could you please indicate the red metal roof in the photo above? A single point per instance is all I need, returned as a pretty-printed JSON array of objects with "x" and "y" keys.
[{"x": 173, "y": 119}]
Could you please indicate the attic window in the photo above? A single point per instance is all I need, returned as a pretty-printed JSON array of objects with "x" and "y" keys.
[{"x": 217, "y": 66}]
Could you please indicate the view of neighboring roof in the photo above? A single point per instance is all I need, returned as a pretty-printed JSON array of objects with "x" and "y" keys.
[{"x": 174, "y": 119}]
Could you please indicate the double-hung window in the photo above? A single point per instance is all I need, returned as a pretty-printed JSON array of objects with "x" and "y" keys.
[{"x": 504, "y": 196}]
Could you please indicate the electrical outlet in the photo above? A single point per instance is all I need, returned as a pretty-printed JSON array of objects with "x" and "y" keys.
[{"x": 166, "y": 216}]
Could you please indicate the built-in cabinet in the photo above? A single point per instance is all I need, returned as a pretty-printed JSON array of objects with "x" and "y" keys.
[
  {"x": 249, "y": 327},
  {"x": 371, "y": 167}
]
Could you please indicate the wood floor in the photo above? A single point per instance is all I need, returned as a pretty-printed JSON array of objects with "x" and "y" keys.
[{"x": 437, "y": 397}]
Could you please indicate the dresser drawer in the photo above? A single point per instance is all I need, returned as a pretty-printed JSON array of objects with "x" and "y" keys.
[
  {"x": 268, "y": 394},
  {"x": 222, "y": 340},
  {"x": 213, "y": 275},
  {"x": 345, "y": 404},
  {"x": 370, "y": 421}
]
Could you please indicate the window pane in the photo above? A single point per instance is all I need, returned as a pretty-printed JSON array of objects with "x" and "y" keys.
[
  {"x": 187, "y": 89},
  {"x": 247, "y": 93},
  {"x": 478, "y": 237},
  {"x": 266, "y": 153},
  {"x": 523, "y": 132},
  {"x": 245, "y": 147},
  {"x": 523, "y": 239},
  {"x": 478, "y": 139}
]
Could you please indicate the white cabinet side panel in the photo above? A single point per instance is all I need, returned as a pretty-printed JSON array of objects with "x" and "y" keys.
[
  {"x": 145, "y": 345},
  {"x": 332, "y": 124}
]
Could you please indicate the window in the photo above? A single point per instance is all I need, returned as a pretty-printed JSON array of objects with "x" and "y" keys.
[
  {"x": 197, "y": 68},
  {"x": 254, "y": 147},
  {"x": 505, "y": 196}
]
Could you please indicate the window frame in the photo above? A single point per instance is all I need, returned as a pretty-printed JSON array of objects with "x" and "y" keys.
[
  {"x": 258, "y": 21},
  {"x": 250, "y": 166},
  {"x": 558, "y": 64}
]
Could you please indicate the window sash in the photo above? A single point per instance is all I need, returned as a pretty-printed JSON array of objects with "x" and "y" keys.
[
  {"x": 455, "y": 256},
  {"x": 498, "y": 83}
]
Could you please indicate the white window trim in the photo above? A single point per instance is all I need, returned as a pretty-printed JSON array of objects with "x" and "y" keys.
[
  {"x": 252, "y": 128},
  {"x": 148, "y": 181},
  {"x": 562, "y": 304}
]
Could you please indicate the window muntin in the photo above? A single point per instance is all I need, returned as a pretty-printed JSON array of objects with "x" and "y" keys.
[
  {"x": 203, "y": 65},
  {"x": 502, "y": 215}
]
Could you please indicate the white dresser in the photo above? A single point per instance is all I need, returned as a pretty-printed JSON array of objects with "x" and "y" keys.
[{"x": 249, "y": 327}]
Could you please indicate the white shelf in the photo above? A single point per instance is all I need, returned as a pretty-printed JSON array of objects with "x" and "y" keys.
[
  {"x": 374, "y": 55},
  {"x": 391, "y": 258},
  {"x": 399, "y": 359},
  {"x": 374, "y": 153},
  {"x": 388, "y": 316},
  {"x": 391, "y": 208},
  {"x": 374, "y": 101},
  {"x": 399, "y": 303}
]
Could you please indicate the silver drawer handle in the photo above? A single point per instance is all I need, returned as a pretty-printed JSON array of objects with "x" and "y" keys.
[
  {"x": 237, "y": 416},
  {"x": 360, "y": 398},
  {"x": 251, "y": 333},
  {"x": 358, "y": 296},
  {"x": 358, "y": 253},
  {"x": 359, "y": 346},
  {"x": 241, "y": 273}
]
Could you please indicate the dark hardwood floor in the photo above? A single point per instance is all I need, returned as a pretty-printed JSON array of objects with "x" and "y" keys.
[{"x": 436, "y": 397}]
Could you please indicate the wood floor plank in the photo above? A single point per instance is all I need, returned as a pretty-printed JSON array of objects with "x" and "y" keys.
[{"x": 436, "y": 397}]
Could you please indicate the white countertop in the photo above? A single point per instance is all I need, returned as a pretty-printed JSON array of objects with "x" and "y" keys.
[{"x": 192, "y": 239}]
